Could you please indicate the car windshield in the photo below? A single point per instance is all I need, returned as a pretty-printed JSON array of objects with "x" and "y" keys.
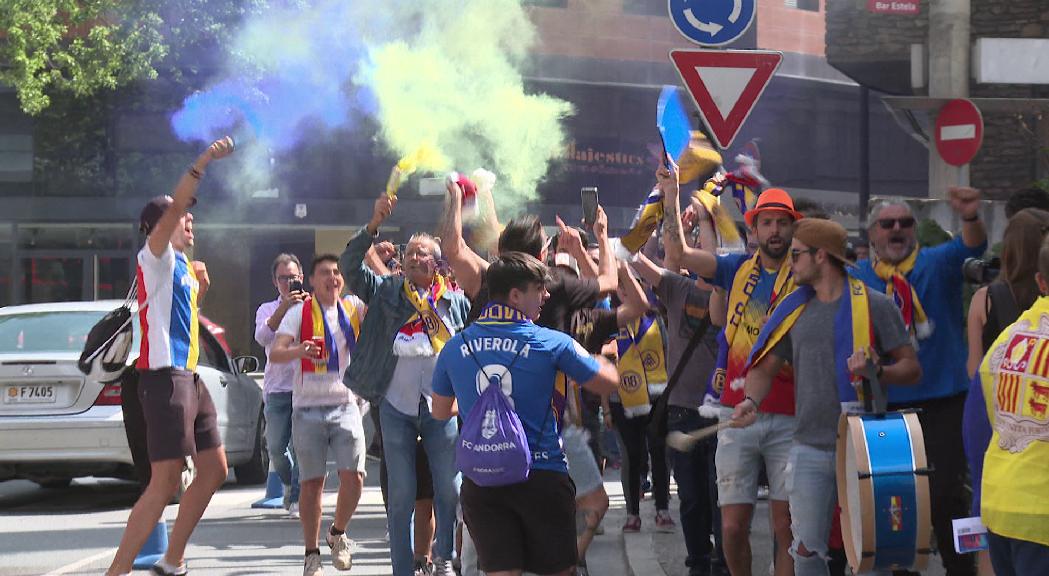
[{"x": 48, "y": 331}]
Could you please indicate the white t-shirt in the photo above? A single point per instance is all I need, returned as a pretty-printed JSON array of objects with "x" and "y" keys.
[{"x": 325, "y": 388}]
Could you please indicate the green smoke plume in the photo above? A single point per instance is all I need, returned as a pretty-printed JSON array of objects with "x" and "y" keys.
[{"x": 456, "y": 85}]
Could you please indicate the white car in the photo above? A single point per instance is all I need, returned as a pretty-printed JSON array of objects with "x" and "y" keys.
[{"x": 56, "y": 424}]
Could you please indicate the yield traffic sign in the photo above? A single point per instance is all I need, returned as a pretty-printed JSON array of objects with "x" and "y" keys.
[
  {"x": 959, "y": 132},
  {"x": 725, "y": 85},
  {"x": 712, "y": 22}
]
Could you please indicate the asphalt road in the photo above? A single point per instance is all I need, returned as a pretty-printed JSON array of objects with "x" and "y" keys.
[{"x": 75, "y": 530}]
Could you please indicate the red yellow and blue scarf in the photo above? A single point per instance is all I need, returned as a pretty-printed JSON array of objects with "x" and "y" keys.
[
  {"x": 315, "y": 325},
  {"x": 738, "y": 344},
  {"x": 853, "y": 331},
  {"x": 904, "y": 295}
]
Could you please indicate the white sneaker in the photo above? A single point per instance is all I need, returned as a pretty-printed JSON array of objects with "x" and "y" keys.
[
  {"x": 341, "y": 556},
  {"x": 442, "y": 567},
  {"x": 313, "y": 566},
  {"x": 293, "y": 510}
]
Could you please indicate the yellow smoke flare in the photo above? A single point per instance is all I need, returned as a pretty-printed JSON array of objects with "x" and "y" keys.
[{"x": 425, "y": 157}]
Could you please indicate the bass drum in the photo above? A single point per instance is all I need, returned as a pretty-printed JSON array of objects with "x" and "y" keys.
[{"x": 883, "y": 491}]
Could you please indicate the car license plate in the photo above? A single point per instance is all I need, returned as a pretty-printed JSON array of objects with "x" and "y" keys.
[{"x": 30, "y": 394}]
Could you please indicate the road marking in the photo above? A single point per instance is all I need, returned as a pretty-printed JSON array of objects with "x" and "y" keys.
[{"x": 81, "y": 563}]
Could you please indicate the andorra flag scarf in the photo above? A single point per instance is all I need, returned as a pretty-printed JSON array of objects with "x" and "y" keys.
[
  {"x": 642, "y": 365},
  {"x": 903, "y": 294},
  {"x": 852, "y": 330},
  {"x": 425, "y": 333},
  {"x": 315, "y": 325},
  {"x": 738, "y": 344}
]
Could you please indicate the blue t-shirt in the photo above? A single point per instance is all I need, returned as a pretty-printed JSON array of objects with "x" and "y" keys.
[
  {"x": 937, "y": 280},
  {"x": 530, "y": 382}
]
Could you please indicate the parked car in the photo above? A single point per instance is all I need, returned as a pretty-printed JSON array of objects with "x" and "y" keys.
[{"x": 56, "y": 424}]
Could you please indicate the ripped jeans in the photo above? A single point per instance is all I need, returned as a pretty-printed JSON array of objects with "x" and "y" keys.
[{"x": 813, "y": 493}]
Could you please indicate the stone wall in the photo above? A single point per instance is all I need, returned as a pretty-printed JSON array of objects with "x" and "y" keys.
[{"x": 874, "y": 49}]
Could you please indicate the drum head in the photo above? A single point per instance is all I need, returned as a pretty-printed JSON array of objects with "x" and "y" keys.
[{"x": 855, "y": 495}]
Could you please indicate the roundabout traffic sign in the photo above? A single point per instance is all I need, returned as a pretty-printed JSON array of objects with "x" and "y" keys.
[{"x": 712, "y": 22}]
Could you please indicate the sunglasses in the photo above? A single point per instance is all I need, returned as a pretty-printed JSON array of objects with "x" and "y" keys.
[
  {"x": 890, "y": 223},
  {"x": 796, "y": 253}
]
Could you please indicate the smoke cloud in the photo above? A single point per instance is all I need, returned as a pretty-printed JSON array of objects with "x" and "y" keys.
[{"x": 440, "y": 73}]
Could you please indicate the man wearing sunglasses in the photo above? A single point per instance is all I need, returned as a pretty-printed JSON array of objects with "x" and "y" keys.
[{"x": 926, "y": 283}]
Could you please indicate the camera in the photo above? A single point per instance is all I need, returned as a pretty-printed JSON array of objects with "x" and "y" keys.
[
  {"x": 980, "y": 271},
  {"x": 295, "y": 286}
]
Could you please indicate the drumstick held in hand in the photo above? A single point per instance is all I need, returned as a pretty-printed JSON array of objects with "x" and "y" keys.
[{"x": 685, "y": 441}]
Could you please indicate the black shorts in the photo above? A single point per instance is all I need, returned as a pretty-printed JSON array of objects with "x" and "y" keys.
[
  {"x": 180, "y": 416},
  {"x": 528, "y": 526}
]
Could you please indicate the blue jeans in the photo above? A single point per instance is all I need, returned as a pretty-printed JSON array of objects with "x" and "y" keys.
[
  {"x": 813, "y": 491},
  {"x": 399, "y": 434},
  {"x": 698, "y": 490},
  {"x": 278, "y": 440},
  {"x": 1012, "y": 557}
]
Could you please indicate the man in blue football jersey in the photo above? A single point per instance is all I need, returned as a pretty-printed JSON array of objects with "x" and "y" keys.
[{"x": 530, "y": 525}]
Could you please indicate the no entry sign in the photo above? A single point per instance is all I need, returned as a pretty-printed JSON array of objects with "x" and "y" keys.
[{"x": 959, "y": 132}]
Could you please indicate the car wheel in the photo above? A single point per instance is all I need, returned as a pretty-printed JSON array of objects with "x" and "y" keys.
[
  {"x": 56, "y": 482},
  {"x": 254, "y": 471}
]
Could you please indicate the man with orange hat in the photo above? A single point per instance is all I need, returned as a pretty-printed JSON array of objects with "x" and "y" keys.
[
  {"x": 828, "y": 365},
  {"x": 755, "y": 285}
]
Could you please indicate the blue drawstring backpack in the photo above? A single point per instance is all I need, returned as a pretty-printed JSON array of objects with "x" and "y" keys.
[{"x": 493, "y": 448}]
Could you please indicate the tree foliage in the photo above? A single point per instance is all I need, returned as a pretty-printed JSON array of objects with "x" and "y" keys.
[
  {"x": 76, "y": 46},
  {"x": 83, "y": 48}
]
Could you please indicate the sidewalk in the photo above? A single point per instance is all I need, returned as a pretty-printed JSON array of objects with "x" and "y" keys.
[{"x": 651, "y": 553}]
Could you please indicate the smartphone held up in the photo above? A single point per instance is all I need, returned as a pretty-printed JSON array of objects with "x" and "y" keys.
[{"x": 589, "y": 200}]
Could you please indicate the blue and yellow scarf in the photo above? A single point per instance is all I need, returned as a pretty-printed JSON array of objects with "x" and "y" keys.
[{"x": 852, "y": 330}]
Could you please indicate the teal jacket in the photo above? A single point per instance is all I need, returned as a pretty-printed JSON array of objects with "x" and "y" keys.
[{"x": 373, "y": 362}]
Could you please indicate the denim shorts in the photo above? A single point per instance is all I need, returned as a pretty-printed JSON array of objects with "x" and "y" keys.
[
  {"x": 742, "y": 451},
  {"x": 322, "y": 431}
]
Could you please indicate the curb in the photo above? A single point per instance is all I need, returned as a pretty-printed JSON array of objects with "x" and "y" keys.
[{"x": 641, "y": 555}]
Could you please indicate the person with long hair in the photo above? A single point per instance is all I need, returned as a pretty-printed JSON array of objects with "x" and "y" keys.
[{"x": 998, "y": 304}]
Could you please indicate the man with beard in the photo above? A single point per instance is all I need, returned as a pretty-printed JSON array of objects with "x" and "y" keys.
[
  {"x": 926, "y": 283},
  {"x": 755, "y": 285},
  {"x": 814, "y": 330},
  {"x": 412, "y": 317}
]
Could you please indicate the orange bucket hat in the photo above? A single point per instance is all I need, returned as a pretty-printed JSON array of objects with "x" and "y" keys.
[{"x": 772, "y": 199}]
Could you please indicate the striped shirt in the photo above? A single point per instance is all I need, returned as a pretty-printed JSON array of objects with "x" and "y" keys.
[{"x": 167, "y": 311}]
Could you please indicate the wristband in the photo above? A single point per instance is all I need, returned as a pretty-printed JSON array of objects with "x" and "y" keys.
[
  {"x": 753, "y": 401},
  {"x": 975, "y": 218},
  {"x": 196, "y": 174}
]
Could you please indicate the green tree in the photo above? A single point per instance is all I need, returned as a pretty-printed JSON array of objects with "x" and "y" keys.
[{"x": 80, "y": 47}]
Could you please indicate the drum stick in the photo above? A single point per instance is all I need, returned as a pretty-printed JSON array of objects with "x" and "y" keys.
[{"x": 685, "y": 441}]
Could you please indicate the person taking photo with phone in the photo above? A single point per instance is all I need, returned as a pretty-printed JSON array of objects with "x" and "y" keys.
[{"x": 278, "y": 378}]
